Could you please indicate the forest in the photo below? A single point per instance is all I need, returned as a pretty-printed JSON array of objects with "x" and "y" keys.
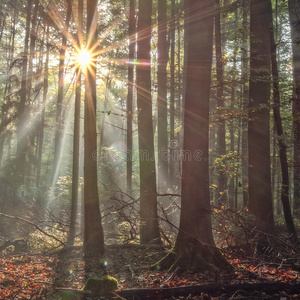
[{"x": 149, "y": 149}]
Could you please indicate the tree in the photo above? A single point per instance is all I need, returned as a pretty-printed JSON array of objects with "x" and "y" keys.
[
  {"x": 42, "y": 120},
  {"x": 195, "y": 248},
  {"x": 245, "y": 100},
  {"x": 294, "y": 8},
  {"x": 221, "y": 143},
  {"x": 149, "y": 229},
  {"x": 60, "y": 93},
  {"x": 93, "y": 231},
  {"x": 260, "y": 192},
  {"x": 162, "y": 105},
  {"x": 76, "y": 138},
  {"x": 172, "y": 92},
  {"x": 132, "y": 44},
  {"x": 285, "y": 189},
  {"x": 21, "y": 128}
]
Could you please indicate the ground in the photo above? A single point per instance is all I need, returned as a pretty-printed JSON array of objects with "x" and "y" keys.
[{"x": 39, "y": 276}]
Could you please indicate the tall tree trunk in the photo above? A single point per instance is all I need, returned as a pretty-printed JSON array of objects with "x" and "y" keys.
[
  {"x": 60, "y": 93},
  {"x": 106, "y": 97},
  {"x": 76, "y": 138},
  {"x": 260, "y": 192},
  {"x": 93, "y": 231},
  {"x": 285, "y": 187},
  {"x": 162, "y": 105},
  {"x": 232, "y": 125},
  {"x": 149, "y": 230},
  {"x": 195, "y": 248},
  {"x": 129, "y": 137},
  {"x": 173, "y": 143},
  {"x": 42, "y": 121},
  {"x": 221, "y": 144},
  {"x": 245, "y": 102},
  {"x": 21, "y": 123},
  {"x": 33, "y": 37},
  {"x": 294, "y": 9}
]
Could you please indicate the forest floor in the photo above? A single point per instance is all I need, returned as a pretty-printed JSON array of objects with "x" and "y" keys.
[{"x": 35, "y": 276}]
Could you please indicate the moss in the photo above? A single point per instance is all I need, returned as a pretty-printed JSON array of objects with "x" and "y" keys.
[{"x": 103, "y": 284}]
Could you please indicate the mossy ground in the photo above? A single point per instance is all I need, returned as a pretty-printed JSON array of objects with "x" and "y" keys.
[{"x": 102, "y": 284}]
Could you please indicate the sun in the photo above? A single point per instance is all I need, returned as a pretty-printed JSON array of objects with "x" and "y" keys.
[{"x": 84, "y": 58}]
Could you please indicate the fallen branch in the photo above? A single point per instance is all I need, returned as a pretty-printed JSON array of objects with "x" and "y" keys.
[{"x": 211, "y": 289}]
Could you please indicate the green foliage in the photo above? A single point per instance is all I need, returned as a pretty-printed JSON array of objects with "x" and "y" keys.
[{"x": 103, "y": 284}]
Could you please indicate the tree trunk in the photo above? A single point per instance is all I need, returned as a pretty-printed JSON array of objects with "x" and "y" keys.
[
  {"x": 76, "y": 138},
  {"x": 42, "y": 121},
  {"x": 129, "y": 140},
  {"x": 173, "y": 143},
  {"x": 260, "y": 192},
  {"x": 221, "y": 144},
  {"x": 60, "y": 94},
  {"x": 93, "y": 231},
  {"x": 149, "y": 230},
  {"x": 285, "y": 187},
  {"x": 245, "y": 102},
  {"x": 294, "y": 8},
  {"x": 195, "y": 249},
  {"x": 162, "y": 105},
  {"x": 21, "y": 123}
]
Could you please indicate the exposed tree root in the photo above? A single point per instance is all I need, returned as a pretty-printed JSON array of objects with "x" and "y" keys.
[{"x": 196, "y": 258}]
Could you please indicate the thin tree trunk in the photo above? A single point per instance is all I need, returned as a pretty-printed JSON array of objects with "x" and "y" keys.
[
  {"x": 107, "y": 89},
  {"x": 129, "y": 137},
  {"x": 221, "y": 143},
  {"x": 33, "y": 37},
  {"x": 162, "y": 106},
  {"x": 60, "y": 93},
  {"x": 173, "y": 143},
  {"x": 245, "y": 102},
  {"x": 42, "y": 122},
  {"x": 285, "y": 188},
  {"x": 294, "y": 9},
  {"x": 76, "y": 138},
  {"x": 21, "y": 123}
]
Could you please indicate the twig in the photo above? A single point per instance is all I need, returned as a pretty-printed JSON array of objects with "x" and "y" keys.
[{"x": 34, "y": 225}]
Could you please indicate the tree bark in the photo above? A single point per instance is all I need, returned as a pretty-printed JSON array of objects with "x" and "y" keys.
[
  {"x": 294, "y": 8},
  {"x": 149, "y": 230},
  {"x": 195, "y": 249},
  {"x": 93, "y": 231},
  {"x": 285, "y": 187},
  {"x": 129, "y": 137},
  {"x": 260, "y": 192},
  {"x": 21, "y": 123},
  {"x": 76, "y": 138},
  {"x": 173, "y": 142},
  {"x": 42, "y": 121},
  {"x": 60, "y": 93},
  {"x": 245, "y": 102},
  {"x": 221, "y": 143},
  {"x": 162, "y": 105}
]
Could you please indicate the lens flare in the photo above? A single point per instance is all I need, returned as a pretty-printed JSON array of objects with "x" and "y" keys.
[{"x": 84, "y": 58}]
